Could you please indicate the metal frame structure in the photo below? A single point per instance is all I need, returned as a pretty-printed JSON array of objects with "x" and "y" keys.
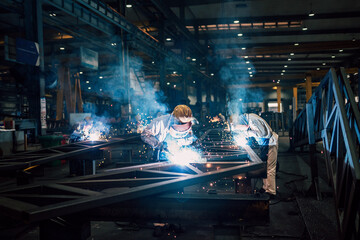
[
  {"x": 332, "y": 115},
  {"x": 41, "y": 202},
  {"x": 127, "y": 185},
  {"x": 33, "y": 158}
]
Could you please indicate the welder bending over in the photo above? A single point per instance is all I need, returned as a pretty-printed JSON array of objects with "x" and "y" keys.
[
  {"x": 174, "y": 128},
  {"x": 253, "y": 126}
]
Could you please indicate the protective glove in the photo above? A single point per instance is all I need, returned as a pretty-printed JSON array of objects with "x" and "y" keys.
[
  {"x": 251, "y": 141},
  {"x": 163, "y": 147}
]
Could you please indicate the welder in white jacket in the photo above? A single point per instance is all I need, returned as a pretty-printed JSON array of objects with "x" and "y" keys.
[
  {"x": 251, "y": 125},
  {"x": 174, "y": 128}
]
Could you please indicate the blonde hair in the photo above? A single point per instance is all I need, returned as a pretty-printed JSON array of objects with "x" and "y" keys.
[{"x": 182, "y": 111}]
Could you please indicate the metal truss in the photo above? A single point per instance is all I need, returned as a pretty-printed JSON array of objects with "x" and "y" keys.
[
  {"x": 33, "y": 158},
  {"x": 332, "y": 115},
  {"x": 41, "y": 202},
  {"x": 133, "y": 184}
]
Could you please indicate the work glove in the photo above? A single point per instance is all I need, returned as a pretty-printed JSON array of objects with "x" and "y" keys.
[
  {"x": 163, "y": 147},
  {"x": 251, "y": 141}
]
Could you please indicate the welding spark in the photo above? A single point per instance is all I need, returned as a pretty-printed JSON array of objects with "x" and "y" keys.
[
  {"x": 240, "y": 139},
  {"x": 184, "y": 155}
]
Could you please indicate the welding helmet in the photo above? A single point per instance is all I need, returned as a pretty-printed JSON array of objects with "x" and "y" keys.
[
  {"x": 182, "y": 114},
  {"x": 182, "y": 121}
]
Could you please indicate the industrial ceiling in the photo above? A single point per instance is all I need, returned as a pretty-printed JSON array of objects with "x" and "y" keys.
[{"x": 253, "y": 42}]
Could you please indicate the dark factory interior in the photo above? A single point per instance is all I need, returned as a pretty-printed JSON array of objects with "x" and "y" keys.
[{"x": 179, "y": 119}]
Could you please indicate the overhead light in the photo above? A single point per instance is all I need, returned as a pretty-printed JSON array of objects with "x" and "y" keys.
[
  {"x": 211, "y": 74},
  {"x": 194, "y": 59},
  {"x": 236, "y": 21},
  {"x": 87, "y": 82},
  {"x": 273, "y": 80},
  {"x": 194, "y": 82},
  {"x": 52, "y": 14},
  {"x": 333, "y": 56},
  {"x": 100, "y": 89},
  {"x": 128, "y": 5},
  {"x": 89, "y": 88},
  {"x": 323, "y": 64},
  {"x": 80, "y": 72},
  {"x": 341, "y": 50},
  {"x": 249, "y": 68},
  {"x": 296, "y": 44},
  {"x": 174, "y": 85},
  {"x": 152, "y": 62},
  {"x": 113, "y": 44},
  {"x": 282, "y": 73},
  {"x": 354, "y": 39},
  {"x": 246, "y": 56},
  {"x": 285, "y": 65},
  {"x": 167, "y": 83},
  {"x": 62, "y": 48},
  {"x": 292, "y": 54},
  {"x": 243, "y": 48},
  {"x": 289, "y": 59},
  {"x": 168, "y": 39},
  {"x": 101, "y": 77},
  {"x": 318, "y": 69},
  {"x": 304, "y": 28},
  {"x": 251, "y": 75},
  {"x": 240, "y": 34},
  {"x": 311, "y": 14},
  {"x": 247, "y": 62},
  {"x": 174, "y": 72}
]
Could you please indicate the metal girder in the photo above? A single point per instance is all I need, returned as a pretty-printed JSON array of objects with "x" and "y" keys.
[
  {"x": 38, "y": 157},
  {"x": 208, "y": 21},
  {"x": 33, "y": 212},
  {"x": 248, "y": 33}
]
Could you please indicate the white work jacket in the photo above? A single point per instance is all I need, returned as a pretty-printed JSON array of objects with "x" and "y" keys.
[
  {"x": 156, "y": 132},
  {"x": 259, "y": 128}
]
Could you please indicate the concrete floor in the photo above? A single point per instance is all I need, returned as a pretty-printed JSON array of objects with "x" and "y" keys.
[{"x": 295, "y": 214}]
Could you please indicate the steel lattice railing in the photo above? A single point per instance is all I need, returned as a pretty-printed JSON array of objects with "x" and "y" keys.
[{"x": 332, "y": 115}]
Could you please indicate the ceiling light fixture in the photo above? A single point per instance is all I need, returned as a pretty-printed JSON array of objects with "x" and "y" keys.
[
  {"x": 80, "y": 72},
  {"x": 318, "y": 69},
  {"x": 323, "y": 64},
  {"x": 240, "y": 34},
  {"x": 62, "y": 48},
  {"x": 236, "y": 21},
  {"x": 292, "y": 54},
  {"x": 341, "y": 50},
  {"x": 211, "y": 74},
  {"x": 243, "y": 48},
  {"x": 304, "y": 28},
  {"x": 89, "y": 88},
  {"x": 168, "y": 39},
  {"x": 285, "y": 65},
  {"x": 333, "y": 56},
  {"x": 289, "y": 59},
  {"x": 247, "y": 62},
  {"x": 311, "y": 14},
  {"x": 128, "y": 5},
  {"x": 194, "y": 59},
  {"x": 296, "y": 44},
  {"x": 282, "y": 73},
  {"x": 101, "y": 77},
  {"x": 251, "y": 75},
  {"x": 246, "y": 56}
]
